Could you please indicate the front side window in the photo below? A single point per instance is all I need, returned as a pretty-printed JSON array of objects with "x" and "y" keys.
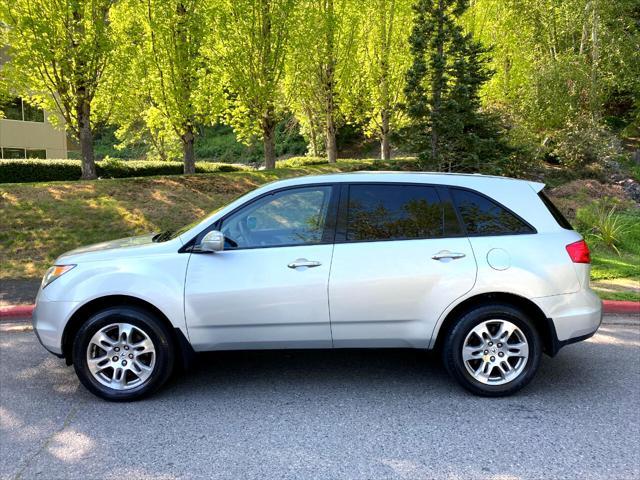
[
  {"x": 483, "y": 216},
  {"x": 290, "y": 217},
  {"x": 397, "y": 212}
]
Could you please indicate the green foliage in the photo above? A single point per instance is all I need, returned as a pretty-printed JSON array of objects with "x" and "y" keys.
[
  {"x": 217, "y": 143},
  {"x": 297, "y": 162},
  {"x": 382, "y": 53},
  {"x": 17, "y": 171},
  {"x": 556, "y": 61},
  {"x": 583, "y": 142},
  {"x": 321, "y": 68},
  {"x": 246, "y": 50},
  {"x": 160, "y": 103},
  {"x": 449, "y": 129},
  {"x": 602, "y": 222}
]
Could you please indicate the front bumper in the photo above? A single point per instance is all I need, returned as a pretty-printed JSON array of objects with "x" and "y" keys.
[
  {"x": 572, "y": 317},
  {"x": 49, "y": 320}
]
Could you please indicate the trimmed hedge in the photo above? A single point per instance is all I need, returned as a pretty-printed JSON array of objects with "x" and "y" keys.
[{"x": 17, "y": 171}]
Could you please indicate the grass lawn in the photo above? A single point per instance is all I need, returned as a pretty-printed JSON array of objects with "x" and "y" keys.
[{"x": 42, "y": 220}]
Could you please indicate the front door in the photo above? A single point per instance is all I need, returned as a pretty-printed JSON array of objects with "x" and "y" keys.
[
  {"x": 268, "y": 288},
  {"x": 398, "y": 262}
]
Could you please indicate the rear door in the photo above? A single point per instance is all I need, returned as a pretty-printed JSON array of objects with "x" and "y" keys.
[{"x": 400, "y": 259}]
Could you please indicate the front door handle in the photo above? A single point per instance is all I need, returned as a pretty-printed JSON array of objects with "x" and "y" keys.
[
  {"x": 446, "y": 254},
  {"x": 303, "y": 262}
]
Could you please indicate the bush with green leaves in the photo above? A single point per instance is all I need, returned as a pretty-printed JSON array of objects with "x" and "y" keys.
[
  {"x": 583, "y": 142},
  {"x": 17, "y": 171},
  {"x": 603, "y": 222}
]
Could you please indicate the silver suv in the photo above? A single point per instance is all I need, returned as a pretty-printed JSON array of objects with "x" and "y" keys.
[{"x": 483, "y": 269}]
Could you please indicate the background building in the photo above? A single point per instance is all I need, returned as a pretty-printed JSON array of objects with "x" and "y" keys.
[{"x": 25, "y": 132}]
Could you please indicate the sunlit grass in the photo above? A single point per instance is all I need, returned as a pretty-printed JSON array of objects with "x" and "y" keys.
[{"x": 40, "y": 221}]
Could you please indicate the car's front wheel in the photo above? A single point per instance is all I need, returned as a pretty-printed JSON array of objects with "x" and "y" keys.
[
  {"x": 493, "y": 350},
  {"x": 123, "y": 353}
]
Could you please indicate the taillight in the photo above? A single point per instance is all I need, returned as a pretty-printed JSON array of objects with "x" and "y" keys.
[{"x": 579, "y": 252}]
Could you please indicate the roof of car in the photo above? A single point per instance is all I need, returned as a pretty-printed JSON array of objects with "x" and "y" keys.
[{"x": 439, "y": 178}]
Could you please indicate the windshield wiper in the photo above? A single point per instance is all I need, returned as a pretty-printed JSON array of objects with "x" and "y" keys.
[{"x": 163, "y": 236}]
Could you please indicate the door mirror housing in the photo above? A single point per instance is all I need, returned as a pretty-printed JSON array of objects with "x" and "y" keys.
[{"x": 212, "y": 242}]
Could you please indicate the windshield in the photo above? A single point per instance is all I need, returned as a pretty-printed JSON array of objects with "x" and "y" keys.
[{"x": 172, "y": 233}]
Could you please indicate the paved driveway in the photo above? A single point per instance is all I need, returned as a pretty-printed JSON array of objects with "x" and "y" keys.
[{"x": 355, "y": 414}]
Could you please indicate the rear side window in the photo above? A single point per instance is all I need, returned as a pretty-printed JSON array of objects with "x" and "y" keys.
[
  {"x": 482, "y": 216},
  {"x": 397, "y": 212},
  {"x": 553, "y": 210}
]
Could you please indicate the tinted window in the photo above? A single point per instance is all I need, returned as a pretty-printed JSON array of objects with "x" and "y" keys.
[
  {"x": 482, "y": 216},
  {"x": 32, "y": 114},
  {"x": 397, "y": 212},
  {"x": 36, "y": 153},
  {"x": 12, "y": 109},
  {"x": 557, "y": 214},
  {"x": 13, "y": 153},
  {"x": 290, "y": 217}
]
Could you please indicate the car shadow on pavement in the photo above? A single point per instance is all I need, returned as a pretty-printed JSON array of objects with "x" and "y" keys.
[{"x": 581, "y": 367}]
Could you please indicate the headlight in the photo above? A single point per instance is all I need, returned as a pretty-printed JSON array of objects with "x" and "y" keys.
[{"x": 55, "y": 272}]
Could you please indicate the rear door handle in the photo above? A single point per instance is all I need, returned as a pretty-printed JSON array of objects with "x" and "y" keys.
[
  {"x": 446, "y": 254},
  {"x": 303, "y": 262}
]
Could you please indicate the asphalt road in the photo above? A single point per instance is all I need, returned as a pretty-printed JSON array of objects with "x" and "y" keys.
[{"x": 323, "y": 414}]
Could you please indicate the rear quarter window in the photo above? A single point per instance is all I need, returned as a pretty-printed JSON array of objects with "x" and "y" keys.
[
  {"x": 553, "y": 210},
  {"x": 483, "y": 216}
]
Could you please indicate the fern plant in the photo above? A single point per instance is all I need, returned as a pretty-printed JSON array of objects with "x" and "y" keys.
[{"x": 609, "y": 228}]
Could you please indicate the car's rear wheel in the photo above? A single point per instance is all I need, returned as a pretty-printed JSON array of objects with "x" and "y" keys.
[
  {"x": 123, "y": 353},
  {"x": 493, "y": 350}
]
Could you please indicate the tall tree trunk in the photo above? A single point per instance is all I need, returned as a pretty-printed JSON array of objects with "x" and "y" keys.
[
  {"x": 386, "y": 33},
  {"x": 330, "y": 70},
  {"x": 188, "y": 154},
  {"x": 313, "y": 133},
  {"x": 594, "y": 106},
  {"x": 269, "y": 138},
  {"x": 385, "y": 147},
  {"x": 332, "y": 146},
  {"x": 85, "y": 137},
  {"x": 437, "y": 85}
]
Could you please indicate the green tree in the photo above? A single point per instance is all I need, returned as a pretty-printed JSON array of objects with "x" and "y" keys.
[
  {"x": 247, "y": 51},
  {"x": 159, "y": 46},
  {"x": 322, "y": 67},
  {"x": 383, "y": 58},
  {"x": 443, "y": 84},
  {"x": 58, "y": 52},
  {"x": 558, "y": 61}
]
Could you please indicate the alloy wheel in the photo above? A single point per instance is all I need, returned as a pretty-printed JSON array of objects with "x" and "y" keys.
[
  {"x": 121, "y": 356},
  {"x": 495, "y": 352}
]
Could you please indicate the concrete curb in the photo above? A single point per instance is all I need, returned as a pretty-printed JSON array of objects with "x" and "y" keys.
[
  {"x": 618, "y": 306},
  {"x": 16, "y": 311},
  {"x": 24, "y": 312}
]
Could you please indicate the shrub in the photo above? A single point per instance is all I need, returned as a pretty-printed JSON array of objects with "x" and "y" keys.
[
  {"x": 15, "y": 171},
  {"x": 295, "y": 162},
  {"x": 602, "y": 222},
  {"x": 584, "y": 142}
]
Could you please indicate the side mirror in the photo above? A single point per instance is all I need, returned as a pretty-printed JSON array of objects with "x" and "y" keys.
[{"x": 212, "y": 242}]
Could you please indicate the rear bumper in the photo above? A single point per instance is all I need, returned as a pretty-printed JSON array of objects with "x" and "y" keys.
[{"x": 572, "y": 317}]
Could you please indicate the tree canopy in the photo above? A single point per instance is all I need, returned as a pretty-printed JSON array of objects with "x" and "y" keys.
[{"x": 467, "y": 84}]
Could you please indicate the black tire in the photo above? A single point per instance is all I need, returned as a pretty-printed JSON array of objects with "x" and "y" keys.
[
  {"x": 454, "y": 342},
  {"x": 151, "y": 326}
]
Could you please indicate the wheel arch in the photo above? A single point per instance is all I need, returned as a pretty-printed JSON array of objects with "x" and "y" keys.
[
  {"x": 541, "y": 322},
  {"x": 184, "y": 351}
]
